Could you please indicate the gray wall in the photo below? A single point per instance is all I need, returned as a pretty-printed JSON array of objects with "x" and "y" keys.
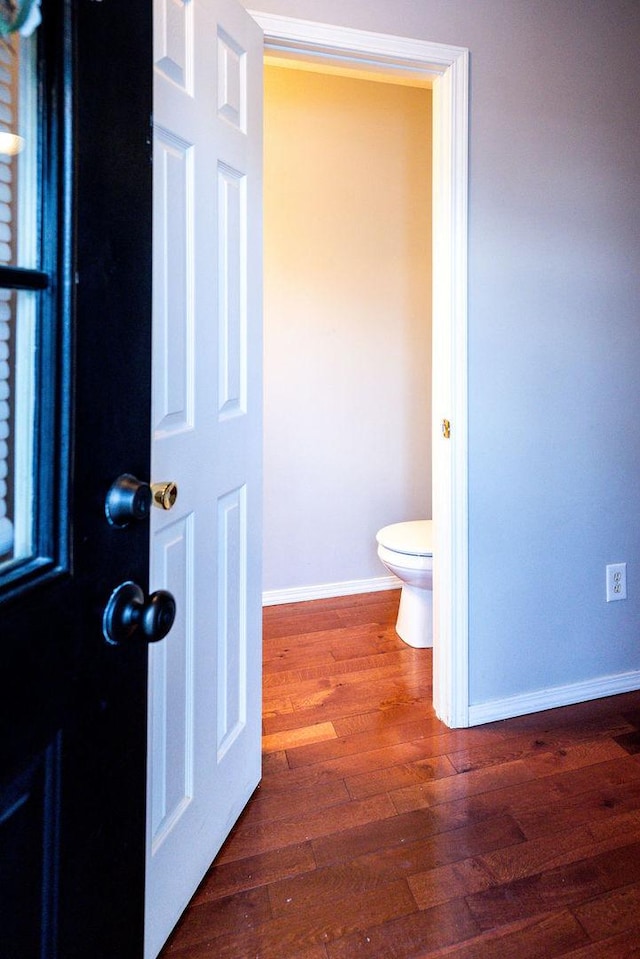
[{"x": 554, "y": 325}]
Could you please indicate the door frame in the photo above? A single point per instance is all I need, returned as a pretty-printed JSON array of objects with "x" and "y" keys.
[{"x": 448, "y": 69}]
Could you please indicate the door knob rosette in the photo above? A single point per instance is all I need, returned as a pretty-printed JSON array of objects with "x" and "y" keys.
[{"x": 128, "y": 499}]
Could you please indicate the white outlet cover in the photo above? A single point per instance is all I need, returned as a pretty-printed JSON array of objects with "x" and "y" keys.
[{"x": 616, "y": 582}]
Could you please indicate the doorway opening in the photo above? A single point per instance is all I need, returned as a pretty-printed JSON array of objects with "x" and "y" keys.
[
  {"x": 342, "y": 49},
  {"x": 347, "y": 325}
]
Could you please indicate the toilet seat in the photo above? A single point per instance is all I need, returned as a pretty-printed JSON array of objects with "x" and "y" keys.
[
  {"x": 405, "y": 561},
  {"x": 414, "y": 538}
]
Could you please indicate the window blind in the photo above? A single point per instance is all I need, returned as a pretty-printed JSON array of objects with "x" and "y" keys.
[{"x": 8, "y": 103}]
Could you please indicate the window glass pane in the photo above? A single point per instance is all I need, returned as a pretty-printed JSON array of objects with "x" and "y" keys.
[
  {"x": 19, "y": 204},
  {"x": 17, "y": 425},
  {"x": 18, "y": 152}
]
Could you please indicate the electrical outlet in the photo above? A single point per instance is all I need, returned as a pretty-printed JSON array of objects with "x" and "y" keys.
[{"x": 616, "y": 581}]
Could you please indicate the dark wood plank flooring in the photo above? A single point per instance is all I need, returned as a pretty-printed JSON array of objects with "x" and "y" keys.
[{"x": 378, "y": 833}]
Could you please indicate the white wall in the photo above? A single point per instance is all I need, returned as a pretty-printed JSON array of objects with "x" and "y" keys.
[
  {"x": 554, "y": 326},
  {"x": 347, "y": 322}
]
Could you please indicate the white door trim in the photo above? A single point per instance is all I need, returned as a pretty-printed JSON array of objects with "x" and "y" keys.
[{"x": 447, "y": 66}]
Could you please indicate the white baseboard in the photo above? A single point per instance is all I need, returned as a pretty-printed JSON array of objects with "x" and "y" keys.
[
  {"x": 555, "y": 696},
  {"x": 300, "y": 594}
]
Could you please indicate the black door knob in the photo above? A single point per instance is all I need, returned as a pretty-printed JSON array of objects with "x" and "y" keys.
[
  {"x": 128, "y": 499},
  {"x": 128, "y": 616}
]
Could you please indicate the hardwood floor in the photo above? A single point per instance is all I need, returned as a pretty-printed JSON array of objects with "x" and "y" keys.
[{"x": 378, "y": 833}]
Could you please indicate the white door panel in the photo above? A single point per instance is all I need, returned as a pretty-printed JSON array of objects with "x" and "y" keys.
[{"x": 204, "y": 712}]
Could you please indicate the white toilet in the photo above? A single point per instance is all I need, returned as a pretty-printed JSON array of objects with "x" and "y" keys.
[{"x": 406, "y": 549}]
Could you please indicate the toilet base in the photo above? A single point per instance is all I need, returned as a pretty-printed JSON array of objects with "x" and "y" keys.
[{"x": 415, "y": 617}]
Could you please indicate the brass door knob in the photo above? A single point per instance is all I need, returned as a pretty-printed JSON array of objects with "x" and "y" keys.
[{"x": 164, "y": 495}]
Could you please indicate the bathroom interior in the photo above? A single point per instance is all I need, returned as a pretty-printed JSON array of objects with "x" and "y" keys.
[{"x": 347, "y": 323}]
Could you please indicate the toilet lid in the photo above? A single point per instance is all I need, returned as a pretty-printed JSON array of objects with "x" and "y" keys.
[{"x": 414, "y": 538}]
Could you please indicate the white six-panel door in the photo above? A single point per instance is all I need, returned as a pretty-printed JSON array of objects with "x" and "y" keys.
[{"x": 205, "y": 679}]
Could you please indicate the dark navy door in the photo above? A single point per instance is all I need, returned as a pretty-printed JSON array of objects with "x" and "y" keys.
[{"x": 75, "y": 328}]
